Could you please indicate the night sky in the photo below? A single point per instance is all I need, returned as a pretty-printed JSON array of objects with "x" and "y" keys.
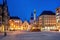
[{"x": 23, "y": 8}]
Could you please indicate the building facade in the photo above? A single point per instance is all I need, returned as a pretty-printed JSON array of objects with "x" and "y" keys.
[
  {"x": 15, "y": 23},
  {"x": 4, "y": 15},
  {"x": 58, "y": 18},
  {"x": 25, "y": 25},
  {"x": 47, "y": 21},
  {"x": 0, "y": 15}
]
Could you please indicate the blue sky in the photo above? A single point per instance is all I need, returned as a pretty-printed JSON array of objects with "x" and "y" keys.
[{"x": 23, "y": 8}]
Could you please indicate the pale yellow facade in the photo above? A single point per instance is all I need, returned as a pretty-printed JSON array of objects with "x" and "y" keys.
[
  {"x": 15, "y": 24},
  {"x": 47, "y": 22}
]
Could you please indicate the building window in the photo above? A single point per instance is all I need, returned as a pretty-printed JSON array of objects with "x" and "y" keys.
[
  {"x": 0, "y": 10},
  {"x": 58, "y": 21}
]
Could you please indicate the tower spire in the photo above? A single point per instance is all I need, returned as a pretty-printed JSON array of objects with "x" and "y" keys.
[{"x": 34, "y": 14}]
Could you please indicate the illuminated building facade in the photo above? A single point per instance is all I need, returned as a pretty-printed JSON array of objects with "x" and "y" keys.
[
  {"x": 0, "y": 15},
  {"x": 25, "y": 25},
  {"x": 1, "y": 28},
  {"x": 58, "y": 18},
  {"x": 47, "y": 21},
  {"x": 4, "y": 15},
  {"x": 15, "y": 23}
]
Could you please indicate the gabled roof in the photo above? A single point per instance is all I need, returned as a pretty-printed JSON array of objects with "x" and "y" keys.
[
  {"x": 47, "y": 13},
  {"x": 25, "y": 23}
]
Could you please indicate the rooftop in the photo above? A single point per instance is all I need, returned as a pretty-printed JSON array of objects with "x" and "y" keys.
[
  {"x": 14, "y": 17},
  {"x": 47, "y": 13}
]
